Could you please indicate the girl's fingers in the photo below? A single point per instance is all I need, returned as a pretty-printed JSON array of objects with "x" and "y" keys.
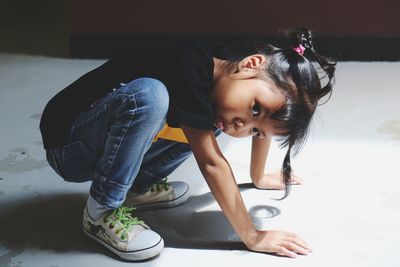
[
  {"x": 297, "y": 180},
  {"x": 300, "y": 242},
  {"x": 285, "y": 252},
  {"x": 296, "y": 248}
]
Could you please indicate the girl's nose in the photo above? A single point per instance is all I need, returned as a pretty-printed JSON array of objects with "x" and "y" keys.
[{"x": 238, "y": 125}]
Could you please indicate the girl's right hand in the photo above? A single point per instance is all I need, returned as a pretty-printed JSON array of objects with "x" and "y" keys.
[{"x": 279, "y": 242}]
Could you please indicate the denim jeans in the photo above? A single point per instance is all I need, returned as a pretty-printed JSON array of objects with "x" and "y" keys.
[{"x": 112, "y": 145}]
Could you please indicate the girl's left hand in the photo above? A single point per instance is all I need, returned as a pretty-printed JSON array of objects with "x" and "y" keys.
[{"x": 274, "y": 181}]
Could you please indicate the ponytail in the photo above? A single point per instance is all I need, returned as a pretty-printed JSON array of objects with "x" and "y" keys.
[
  {"x": 304, "y": 37},
  {"x": 309, "y": 91},
  {"x": 287, "y": 173}
]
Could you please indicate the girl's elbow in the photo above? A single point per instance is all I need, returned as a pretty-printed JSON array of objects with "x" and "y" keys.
[{"x": 214, "y": 169}]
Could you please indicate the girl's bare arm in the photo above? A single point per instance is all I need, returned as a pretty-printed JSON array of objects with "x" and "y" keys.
[
  {"x": 220, "y": 179},
  {"x": 259, "y": 153}
]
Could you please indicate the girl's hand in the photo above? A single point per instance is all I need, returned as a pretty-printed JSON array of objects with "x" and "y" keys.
[
  {"x": 279, "y": 242},
  {"x": 274, "y": 181}
]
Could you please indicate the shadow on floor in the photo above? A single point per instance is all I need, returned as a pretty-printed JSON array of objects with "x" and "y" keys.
[
  {"x": 45, "y": 224},
  {"x": 188, "y": 226},
  {"x": 53, "y": 223}
]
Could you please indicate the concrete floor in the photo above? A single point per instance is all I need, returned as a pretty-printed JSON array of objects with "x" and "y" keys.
[{"x": 348, "y": 209}]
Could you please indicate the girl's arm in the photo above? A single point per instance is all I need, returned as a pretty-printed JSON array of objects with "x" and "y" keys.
[
  {"x": 220, "y": 179},
  {"x": 259, "y": 154}
]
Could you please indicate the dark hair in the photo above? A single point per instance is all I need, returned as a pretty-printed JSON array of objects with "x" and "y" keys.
[{"x": 303, "y": 79}]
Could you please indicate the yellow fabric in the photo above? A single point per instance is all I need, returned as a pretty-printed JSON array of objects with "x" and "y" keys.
[{"x": 170, "y": 133}]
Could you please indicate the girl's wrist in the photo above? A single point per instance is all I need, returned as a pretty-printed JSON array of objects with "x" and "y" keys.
[{"x": 250, "y": 237}]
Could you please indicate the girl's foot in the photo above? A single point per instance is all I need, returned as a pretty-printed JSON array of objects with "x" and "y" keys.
[
  {"x": 162, "y": 194},
  {"x": 123, "y": 234}
]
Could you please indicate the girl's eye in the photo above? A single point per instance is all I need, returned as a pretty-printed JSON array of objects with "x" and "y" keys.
[
  {"x": 256, "y": 132},
  {"x": 256, "y": 110}
]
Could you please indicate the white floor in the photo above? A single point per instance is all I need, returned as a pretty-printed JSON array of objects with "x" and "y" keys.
[{"x": 348, "y": 209}]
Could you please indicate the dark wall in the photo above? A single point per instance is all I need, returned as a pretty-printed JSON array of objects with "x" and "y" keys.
[
  {"x": 35, "y": 27},
  {"x": 348, "y": 30},
  {"x": 345, "y": 29},
  {"x": 366, "y": 17}
]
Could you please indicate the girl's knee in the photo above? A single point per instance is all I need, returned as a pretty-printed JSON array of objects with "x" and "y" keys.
[
  {"x": 158, "y": 94},
  {"x": 154, "y": 97},
  {"x": 151, "y": 92},
  {"x": 148, "y": 97}
]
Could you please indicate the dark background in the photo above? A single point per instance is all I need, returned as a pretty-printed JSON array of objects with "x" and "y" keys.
[{"x": 347, "y": 30}]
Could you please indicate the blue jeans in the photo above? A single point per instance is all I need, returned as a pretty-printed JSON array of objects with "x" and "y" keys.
[{"x": 112, "y": 143}]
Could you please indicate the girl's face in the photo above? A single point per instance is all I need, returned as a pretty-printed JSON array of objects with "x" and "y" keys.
[{"x": 242, "y": 102}]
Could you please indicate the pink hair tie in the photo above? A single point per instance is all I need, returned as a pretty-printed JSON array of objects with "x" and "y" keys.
[{"x": 300, "y": 49}]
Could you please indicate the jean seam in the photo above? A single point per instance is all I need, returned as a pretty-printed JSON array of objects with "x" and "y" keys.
[
  {"x": 55, "y": 162},
  {"x": 113, "y": 153},
  {"x": 117, "y": 185},
  {"x": 167, "y": 157},
  {"x": 91, "y": 118},
  {"x": 101, "y": 109},
  {"x": 57, "y": 165}
]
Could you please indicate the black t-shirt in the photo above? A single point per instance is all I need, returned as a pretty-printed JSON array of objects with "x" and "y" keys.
[{"x": 185, "y": 69}]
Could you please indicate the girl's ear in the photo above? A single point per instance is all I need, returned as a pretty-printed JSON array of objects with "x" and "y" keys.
[{"x": 251, "y": 66}]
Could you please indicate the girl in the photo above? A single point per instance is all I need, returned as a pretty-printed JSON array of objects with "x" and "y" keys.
[{"x": 129, "y": 123}]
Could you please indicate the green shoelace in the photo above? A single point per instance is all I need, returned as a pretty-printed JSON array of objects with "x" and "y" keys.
[
  {"x": 160, "y": 185},
  {"x": 124, "y": 216}
]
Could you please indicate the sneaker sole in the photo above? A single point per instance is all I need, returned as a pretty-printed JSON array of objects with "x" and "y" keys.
[
  {"x": 164, "y": 204},
  {"x": 136, "y": 255}
]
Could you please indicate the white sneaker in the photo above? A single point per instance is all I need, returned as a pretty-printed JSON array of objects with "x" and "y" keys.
[
  {"x": 123, "y": 234},
  {"x": 162, "y": 194}
]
